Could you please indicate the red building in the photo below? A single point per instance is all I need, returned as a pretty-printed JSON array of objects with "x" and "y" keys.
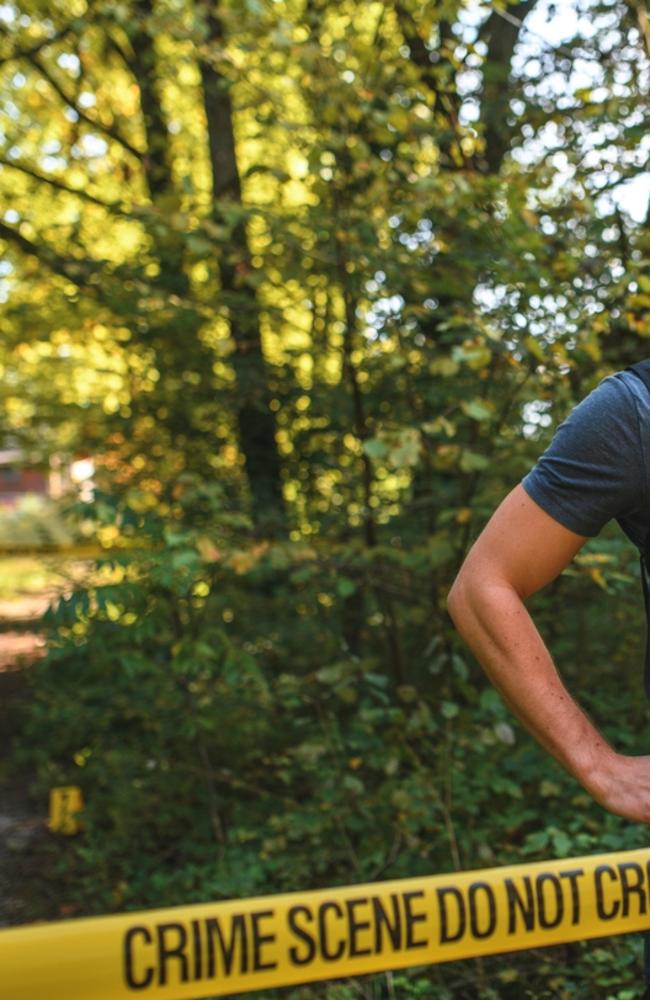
[{"x": 18, "y": 476}]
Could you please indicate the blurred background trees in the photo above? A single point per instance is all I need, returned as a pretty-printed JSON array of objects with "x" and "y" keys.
[{"x": 311, "y": 282}]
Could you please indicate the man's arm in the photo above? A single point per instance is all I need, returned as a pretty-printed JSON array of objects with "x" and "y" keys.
[{"x": 521, "y": 550}]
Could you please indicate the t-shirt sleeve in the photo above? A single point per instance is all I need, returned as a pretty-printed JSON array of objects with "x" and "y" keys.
[{"x": 593, "y": 470}]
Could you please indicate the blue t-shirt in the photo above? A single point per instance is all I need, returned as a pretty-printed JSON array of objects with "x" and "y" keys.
[{"x": 596, "y": 467}]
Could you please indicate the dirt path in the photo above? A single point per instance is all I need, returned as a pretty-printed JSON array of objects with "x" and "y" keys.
[
  {"x": 27, "y": 849},
  {"x": 20, "y": 637}
]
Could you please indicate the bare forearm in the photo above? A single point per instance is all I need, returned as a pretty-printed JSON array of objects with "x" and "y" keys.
[
  {"x": 496, "y": 625},
  {"x": 519, "y": 551}
]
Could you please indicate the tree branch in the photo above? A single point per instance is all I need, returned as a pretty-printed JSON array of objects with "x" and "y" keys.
[
  {"x": 33, "y": 50},
  {"x": 157, "y": 163},
  {"x": 95, "y": 123},
  {"x": 644, "y": 23},
  {"x": 29, "y": 171},
  {"x": 72, "y": 270},
  {"x": 85, "y": 274},
  {"x": 120, "y": 50},
  {"x": 446, "y": 100}
]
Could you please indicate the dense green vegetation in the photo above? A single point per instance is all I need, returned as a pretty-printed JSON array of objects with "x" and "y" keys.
[{"x": 312, "y": 281}]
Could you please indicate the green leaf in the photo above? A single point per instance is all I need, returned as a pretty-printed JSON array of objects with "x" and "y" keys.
[
  {"x": 477, "y": 409},
  {"x": 377, "y": 680},
  {"x": 471, "y": 461},
  {"x": 475, "y": 356},
  {"x": 330, "y": 675},
  {"x": 345, "y": 587},
  {"x": 353, "y": 784},
  {"x": 400, "y": 799},
  {"x": 444, "y": 366},
  {"x": 440, "y": 425},
  {"x": 490, "y": 701},
  {"x": 505, "y": 733},
  {"x": 406, "y": 454},
  {"x": 255, "y": 7},
  {"x": 199, "y": 246},
  {"x": 561, "y": 843},
  {"x": 535, "y": 348},
  {"x": 536, "y": 842},
  {"x": 375, "y": 448}
]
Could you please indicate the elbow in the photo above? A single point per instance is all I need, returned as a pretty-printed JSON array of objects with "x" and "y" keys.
[
  {"x": 469, "y": 593},
  {"x": 458, "y": 599},
  {"x": 480, "y": 593}
]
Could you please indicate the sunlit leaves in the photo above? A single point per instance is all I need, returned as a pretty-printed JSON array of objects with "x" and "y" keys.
[{"x": 424, "y": 321}]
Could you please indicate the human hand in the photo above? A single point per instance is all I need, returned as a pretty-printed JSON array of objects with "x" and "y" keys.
[{"x": 622, "y": 785}]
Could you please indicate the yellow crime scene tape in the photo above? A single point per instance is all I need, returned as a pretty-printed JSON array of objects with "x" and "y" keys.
[{"x": 217, "y": 949}]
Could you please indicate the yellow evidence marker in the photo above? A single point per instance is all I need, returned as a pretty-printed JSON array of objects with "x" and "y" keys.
[{"x": 66, "y": 803}]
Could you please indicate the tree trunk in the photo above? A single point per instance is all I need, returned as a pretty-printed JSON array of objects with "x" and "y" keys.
[
  {"x": 501, "y": 37},
  {"x": 256, "y": 422}
]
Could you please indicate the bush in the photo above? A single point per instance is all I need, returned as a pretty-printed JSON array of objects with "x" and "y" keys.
[{"x": 229, "y": 742}]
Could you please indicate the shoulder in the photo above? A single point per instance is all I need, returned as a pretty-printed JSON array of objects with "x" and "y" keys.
[
  {"x": 629, "y": 389},
  {"x": 617, "y": 391},
  {"x": 610, "y": 418},
  {"x": 594, "y": 469},
  {"x": 606, "y": 418}
]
